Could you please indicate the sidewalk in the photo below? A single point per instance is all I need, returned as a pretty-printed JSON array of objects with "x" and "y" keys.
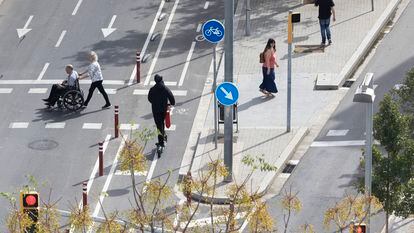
[{"x": 262, "y": 121}]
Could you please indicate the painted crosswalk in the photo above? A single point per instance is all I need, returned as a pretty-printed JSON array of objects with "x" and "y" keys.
[
  {"x": 55, "y": 125},
  {"x": 145, "y": 92},
  {"x": 92, "y": 126},
  {"x": 6, "y": 90},
  {"x": 37, "y": 90},
  {"x": 19, "y": 125},
  {"x": 62, "y": 125}
]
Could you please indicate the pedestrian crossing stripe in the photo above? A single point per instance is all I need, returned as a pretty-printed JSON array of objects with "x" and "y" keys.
[
  {"x": 109, "y": 91},
  {"x": 19, "y": 125},
  {"x": 129, "y": 126},
  {"x": 55, "y": 125},
  {"x": 6, "y": 90},
  {"x": 37, "y": 90},
  {"x": 92, "y": 126},
  {"x": 172, "y": 128},
  {"x": 166, "y": 83},
  {"x": 145, "y": 92},
  {"x": 128, "y": 173}
]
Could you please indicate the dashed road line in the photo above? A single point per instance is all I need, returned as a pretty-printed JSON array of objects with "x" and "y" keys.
[
  {"x": 92, "y": 126},
  {"x": 60, "y": 38},
  {"x": 6, "y": 90},
  {"x": 164, "y": 36},
  {"x": 19, "y": 125},
  {"x": 42, "y": 73},
  {"x": 199, "y": 27},
  {"x": 145, "y": 92},
  {"x": 335, "y": 133},
  {"x": 77, "y": 7},
  {"x": 37, "y": 90},
  {"x": 55, "y": 125},
  {"x": 129, "y": 126},
  {"x": 166, "y": 83},
  {"x": 338, "y": 143},
  {"x": 206, "y": 5},
  {"x": 187, "y": 63}
]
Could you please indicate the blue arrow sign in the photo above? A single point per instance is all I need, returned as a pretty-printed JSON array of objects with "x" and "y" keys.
[
  {"x": 227, "y": 93},
  {"x": 213, "y": 31}
]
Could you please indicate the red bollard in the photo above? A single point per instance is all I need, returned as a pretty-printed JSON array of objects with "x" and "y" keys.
[
  {"x": 100, "y": 159},
  {"x": 138, "y": 66},
  {"x": 85, "y": 194},
  {"x": 116, "y": 120}
]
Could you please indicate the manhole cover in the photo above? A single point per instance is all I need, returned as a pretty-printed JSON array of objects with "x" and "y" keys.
[
  {"x": 309, "y": 49},
  {"x": 43, "y": 144}
]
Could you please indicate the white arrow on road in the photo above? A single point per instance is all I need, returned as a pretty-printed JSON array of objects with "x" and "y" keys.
[
  {"x": 107, "y": 31},
  {"x": 22, "y": 31},
  {"x": 228, "y": 94}
]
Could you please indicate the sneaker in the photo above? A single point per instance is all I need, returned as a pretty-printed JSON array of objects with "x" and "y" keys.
[
  {"x": 330, "y": 41},
  {"x": 322, "y": 43},
  {"x": 106, "y": 106}
]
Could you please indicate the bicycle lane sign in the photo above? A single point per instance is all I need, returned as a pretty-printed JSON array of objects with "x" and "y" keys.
[{"x": 213, "y": 31}]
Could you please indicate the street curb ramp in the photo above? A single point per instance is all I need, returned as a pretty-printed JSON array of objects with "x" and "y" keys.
[{"x": 335, "y": 81}]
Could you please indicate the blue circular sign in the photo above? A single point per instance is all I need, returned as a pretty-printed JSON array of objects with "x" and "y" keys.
[
  {"x": 227, "y": 93},
  {"x": 213, "y": 31}
]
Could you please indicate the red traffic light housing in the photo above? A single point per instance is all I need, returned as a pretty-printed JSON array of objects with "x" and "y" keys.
[{"x": 29, "y": 200}]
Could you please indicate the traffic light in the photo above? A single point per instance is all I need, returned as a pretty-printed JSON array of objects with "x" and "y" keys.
[{"x": 29, "y": 203}]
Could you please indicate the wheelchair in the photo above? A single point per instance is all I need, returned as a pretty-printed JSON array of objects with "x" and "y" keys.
[{"x": 72, "y": 98}]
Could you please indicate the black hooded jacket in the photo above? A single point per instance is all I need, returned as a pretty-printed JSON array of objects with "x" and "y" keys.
[{"x": 158, "y": 96}]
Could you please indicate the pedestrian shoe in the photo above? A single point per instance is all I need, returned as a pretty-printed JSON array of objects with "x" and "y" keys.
[
  {"x": 330, "y": 41},
  {"x": 46, "y": 100},
  {"x": 322, "y": 44},
  {"x": 106, "y": 106}
]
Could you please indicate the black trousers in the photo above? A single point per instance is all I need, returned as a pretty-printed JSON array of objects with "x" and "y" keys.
[
  {"x": 159, "y": 118},
  {"x": 56, "y": 91},
  {"x": 97, "y": 84}
]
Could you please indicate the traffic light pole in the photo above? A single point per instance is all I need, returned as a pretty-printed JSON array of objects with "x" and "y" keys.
[
  {"x": 368, "y": 158},
  {"x": 228, "y": 77}
]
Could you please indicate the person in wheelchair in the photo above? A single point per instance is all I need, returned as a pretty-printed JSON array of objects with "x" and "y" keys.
[{"x": 59, "y": 90}]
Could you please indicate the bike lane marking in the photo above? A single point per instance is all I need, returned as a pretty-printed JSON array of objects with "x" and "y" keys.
[
  {"x": 206, "y": 5},
  {"x": 164, "y": 36},
  {"x": 77, "y": 7},
  {"x": 42, "y": 73},
  {"x": 144, "y": 48},
  {"x": 60, "y": 38},
  {"x": 187, "y": 63}
]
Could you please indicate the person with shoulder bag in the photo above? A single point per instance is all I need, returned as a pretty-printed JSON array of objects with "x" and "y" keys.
[{"x": 268, "y": 58}]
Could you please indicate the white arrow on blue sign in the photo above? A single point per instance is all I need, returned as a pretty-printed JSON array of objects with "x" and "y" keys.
[
  {"x": 227, "y": 93},
  {"x": 213, "y": 31}
]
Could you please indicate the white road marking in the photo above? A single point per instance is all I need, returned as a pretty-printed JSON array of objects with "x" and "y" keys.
[
  {"x": 109, "y": 91},
  {"x": 77, "y": 7},
  {"x": 43, "y": 71},
  {"x": 199, "y": 27},
  {"x": 107, "y": 31},
  {"x": 92, "y": 126},
  {"x": 338, "y": 143},
  {"x": 128, "y": 173},
  {"x": 145, "y": 92},
  {"x": 129, "y": 126},
  {"x": 167, "y": 83},
  {"x": 19, "y": 125},
  {"x": 6, "y": 90},
  {"x": 37, "y": 90},
  {"x": 164, "y": 35},
  {"x": 60, "y": 38},
  {"x": 172, "y": 128},
  {"x": 22, "y": 31},
  {"x": 108, "y": 179},
  {"x": 56, "y": 125},
  {"x": 335, "y": 133},
  {"x": 293, "y": 162},
  {"x": 187, "y": 63},
  {"x": 144, "y": 48},
  {"x": 53, "y": 81},
  {"x": 152, "y": 168},
  {"x": 284, "y": 175},
  {"x": 375, "y": 86},
  {"x": 206, "y": 5}
]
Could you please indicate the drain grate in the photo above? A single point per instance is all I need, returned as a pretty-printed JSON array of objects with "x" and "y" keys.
[
  {"x": 348, "y": 83},
  {"x": 289, "y": 168}
]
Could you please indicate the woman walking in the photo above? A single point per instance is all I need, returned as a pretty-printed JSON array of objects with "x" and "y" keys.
[
  {"x": 268, "y": 86},
  {"x": 95, "y": 73}
]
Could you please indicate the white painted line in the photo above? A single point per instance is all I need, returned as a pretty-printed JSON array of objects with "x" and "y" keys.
[
  {"x": 43, "y": 71},
  {"x": 60, "y": 38},
  {"x": 37, "y": 90},
  {"x": 129, "y": 126},
  {"x": 92, "y": 126},
  {"x": 57, "y": 125},
  {"x": 53, "y": 81},
  {"x": 109, "y": 91},
  {"x": 128, "y": 173},
  {"x": 152, "y": 168},
  {"x": 338, "y": 143},
  {"x": 108, "y": 179},
  {"x": 6, "y": 90},
  {"x": 144, "y": 48},
  {"x": 145, "y": 92},
  {"x": 22, "y": 31},
  {"x": 187, "y": 63},
  {"x": 175, "y": 223},
  {"x": 172, "y": 128},
  {"x": 206, "y": 5},
  {"x": 164, "y": 35},
  {"x": 199, "y": 27},
  {"x": 167, "y": 83},
  {"x": 284, "y": 175},
  {"x": 77, "y": 7},
  {"x": 19, "y": 125},
  {"x": 336, "y": 133},
  {"x": 107, "y": 31},
  {"x": 293, "y": 162}
]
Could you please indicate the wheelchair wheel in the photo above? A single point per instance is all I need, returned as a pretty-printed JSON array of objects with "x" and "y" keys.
[{"x": 73, "y": 100}]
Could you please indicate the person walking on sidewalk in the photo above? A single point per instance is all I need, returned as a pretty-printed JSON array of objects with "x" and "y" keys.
[
  {"x": 268, "y": 85},
  {"x": 159, "y": 95},
  {"x": 326, "y": 9},
  {"x": 95, "y": 73}
]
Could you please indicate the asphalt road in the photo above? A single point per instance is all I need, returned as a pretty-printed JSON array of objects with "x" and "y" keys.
[
  {"x": 325, "y": 174},
  {"x": 64, "y": 157}
]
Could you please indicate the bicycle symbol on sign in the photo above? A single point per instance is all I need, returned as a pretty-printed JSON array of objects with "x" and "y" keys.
[{"x": 215, "y": 31}]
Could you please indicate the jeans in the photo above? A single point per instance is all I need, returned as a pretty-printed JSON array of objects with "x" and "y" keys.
[
  {"x": 159, "y": 118},
  {"x": 325, "y": 31},
  {"x": 97, "y": 84}
]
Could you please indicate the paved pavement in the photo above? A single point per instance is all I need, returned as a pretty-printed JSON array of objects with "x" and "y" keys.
[{"x": 259, "y": 116}]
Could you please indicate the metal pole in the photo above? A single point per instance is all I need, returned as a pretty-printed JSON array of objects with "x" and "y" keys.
[
  {"x": 289, "y": 73},
  {"x": 368, "y": 159},
  {"x": 116, "y": 121},
  {"x": 100, "y": 158},
  {"x": 248, "y": 17},
  {"x": 214, "y": 93},
  {"x": 84, "y": 194},
  {"x": 138, "y": 66},
  {"x": 228, "y": 77},
  {"x": 372, "y": 5}
]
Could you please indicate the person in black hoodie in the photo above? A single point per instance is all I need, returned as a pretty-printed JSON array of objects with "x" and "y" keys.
[{"x": 159, "y": 95}]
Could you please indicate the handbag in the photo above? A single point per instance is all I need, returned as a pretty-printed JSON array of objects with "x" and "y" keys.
[
  {"x": 261, "y": 57},
  {"x": 167, "y": 119}
]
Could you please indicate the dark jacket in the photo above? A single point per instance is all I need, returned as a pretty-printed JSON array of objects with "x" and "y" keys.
[
  {"x": 325, "y": 8},
  {"x": 158, "y": 96}
]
